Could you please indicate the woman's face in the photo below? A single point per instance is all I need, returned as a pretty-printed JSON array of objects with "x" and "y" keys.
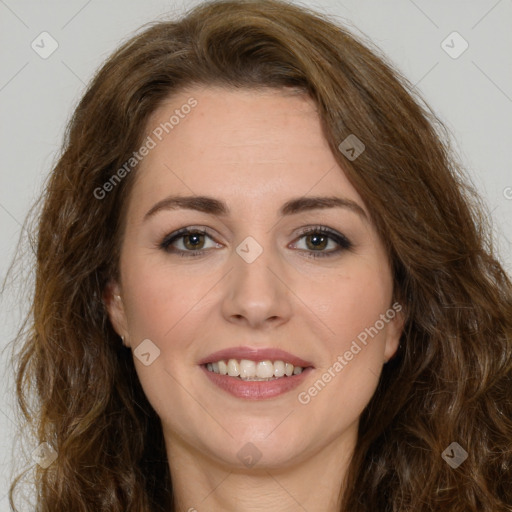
[{"x": 249, "y": 278}]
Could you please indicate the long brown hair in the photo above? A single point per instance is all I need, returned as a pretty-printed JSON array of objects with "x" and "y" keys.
[{"x": 451, "y": 379}]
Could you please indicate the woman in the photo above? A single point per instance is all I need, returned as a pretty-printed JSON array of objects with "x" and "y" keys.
[{"x": 262, "y": 282}]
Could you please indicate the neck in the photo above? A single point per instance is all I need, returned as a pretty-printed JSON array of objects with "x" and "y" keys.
[{"x": 310, "y": 482}]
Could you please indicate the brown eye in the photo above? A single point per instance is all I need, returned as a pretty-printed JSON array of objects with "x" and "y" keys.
[
  {"x": 193, "y": 241},
  {"x": 317, "y": 241},
  {"x": 186, "y": 242}
]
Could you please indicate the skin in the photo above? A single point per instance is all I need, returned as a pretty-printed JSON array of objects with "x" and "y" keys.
[{"x": 254, "y": 150}]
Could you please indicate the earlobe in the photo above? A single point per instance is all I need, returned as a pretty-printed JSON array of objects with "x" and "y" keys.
[
  {"x": 394, "y": 332},
  {"x": 112, "y": 298}
]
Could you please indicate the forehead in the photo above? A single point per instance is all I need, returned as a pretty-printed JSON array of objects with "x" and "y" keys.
[{"x": 267, "y": 145}]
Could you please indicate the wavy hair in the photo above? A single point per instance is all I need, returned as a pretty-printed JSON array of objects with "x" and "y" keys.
[{"x": 451, "y": 379}]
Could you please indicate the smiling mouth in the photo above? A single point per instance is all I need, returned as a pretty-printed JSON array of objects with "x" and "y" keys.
[{"x": 248, "y": 370}]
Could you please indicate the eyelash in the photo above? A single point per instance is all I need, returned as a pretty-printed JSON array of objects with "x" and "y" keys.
[{"x": 343, "y": 242}]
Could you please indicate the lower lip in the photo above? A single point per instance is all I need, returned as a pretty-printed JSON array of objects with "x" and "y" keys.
[{"x": 256, "y": 390}]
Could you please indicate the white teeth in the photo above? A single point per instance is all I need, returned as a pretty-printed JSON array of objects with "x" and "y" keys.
[
  {"x": 233, "y": 368},
  {"x": 279, "y": 369},
  {"x": 247, "y": 369},
  {"x": 252, "y": 370},
  {"x": 223, "y": 368},
  {"x": 265, "y": 369}
]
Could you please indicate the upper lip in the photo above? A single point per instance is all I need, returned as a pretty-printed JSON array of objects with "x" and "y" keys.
[{"x": 255, "y": 354}]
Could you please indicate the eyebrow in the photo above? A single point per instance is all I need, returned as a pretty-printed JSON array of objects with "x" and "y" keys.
[{"x": 214, "y": 206}]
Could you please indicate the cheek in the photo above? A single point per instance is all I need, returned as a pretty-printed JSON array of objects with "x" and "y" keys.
[
  {"x": 160, "y": 297},
  {"x": 162, "y": 302},
  {"x": 354, "y": 356},
  {"x": 356, "y": 301}
]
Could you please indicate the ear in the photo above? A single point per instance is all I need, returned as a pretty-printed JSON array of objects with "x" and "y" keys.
[
  {"x": 394, "y": 331},
  {"x": 113, "y": 300}
]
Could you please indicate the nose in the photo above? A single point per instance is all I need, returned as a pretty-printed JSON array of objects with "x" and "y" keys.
[{"x": 256, "y": 291}]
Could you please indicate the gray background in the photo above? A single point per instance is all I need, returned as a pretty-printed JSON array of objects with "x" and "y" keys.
[{"x": 472, "y": 94}]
